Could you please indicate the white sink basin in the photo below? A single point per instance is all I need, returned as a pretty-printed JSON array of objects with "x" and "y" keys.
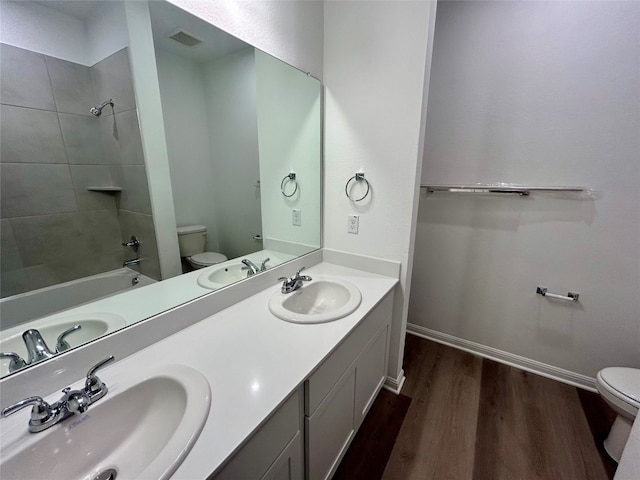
[
  {"x": 94, "y": 325},
  {"x": 222, "y": 276},
  {"x": 141, "y": 429},
  {"x": 318, "y": 301}
]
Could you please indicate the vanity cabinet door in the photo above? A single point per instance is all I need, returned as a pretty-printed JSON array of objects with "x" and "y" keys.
[
  {"x": 330, "y": 429},
  {"x": 288, "y": 466},
  {"x": 268, "y": 445},
  {"x": 370, "y": 373}
]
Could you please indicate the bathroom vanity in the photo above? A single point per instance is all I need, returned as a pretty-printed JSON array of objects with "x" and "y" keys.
[{"x": 286, "y": 398}]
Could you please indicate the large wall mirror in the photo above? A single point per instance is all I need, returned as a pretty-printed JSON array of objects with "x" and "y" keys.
[{"x": 81, "y": 195}]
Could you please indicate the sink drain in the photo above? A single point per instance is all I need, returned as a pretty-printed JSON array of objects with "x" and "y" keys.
[{"x": 109, "y": 474}]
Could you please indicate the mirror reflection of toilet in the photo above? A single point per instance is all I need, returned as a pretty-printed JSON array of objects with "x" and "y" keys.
[
  {"x": 192, "y": 240},
  {"x": 620, "y": 388}
]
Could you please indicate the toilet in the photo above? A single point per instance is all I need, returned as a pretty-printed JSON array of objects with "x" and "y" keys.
[
  {"x": 191, "y": 240},
  {"x": 620, "y": 388}
]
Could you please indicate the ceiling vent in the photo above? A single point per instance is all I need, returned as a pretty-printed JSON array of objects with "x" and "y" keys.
[{"x": 184, "y": 38}]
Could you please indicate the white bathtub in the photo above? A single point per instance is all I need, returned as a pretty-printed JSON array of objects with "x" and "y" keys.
[{"x": 56, "y": 298}]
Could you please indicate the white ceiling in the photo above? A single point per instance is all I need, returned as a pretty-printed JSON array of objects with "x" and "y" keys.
[
  {"x": 167, "y": 18},
  {"x": 80, "y": 9}
]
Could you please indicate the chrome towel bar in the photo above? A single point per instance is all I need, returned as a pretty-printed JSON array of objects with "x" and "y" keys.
[
  {"x": 505, "y": 188},
  {"x": 571, "y": 296}
]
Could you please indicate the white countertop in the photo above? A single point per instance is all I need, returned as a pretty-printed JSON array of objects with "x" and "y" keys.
[{"x": 252, "y": 360}]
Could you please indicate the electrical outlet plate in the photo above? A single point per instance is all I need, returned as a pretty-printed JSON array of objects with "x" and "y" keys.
[
  {"x": 296, "y": 217},
  {"x": 353, "y": 223}
]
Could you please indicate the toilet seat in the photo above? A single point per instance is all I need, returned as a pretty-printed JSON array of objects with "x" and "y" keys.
[
  {"x": 207, "y": 259},
  {"x": 621, "y": 386}
]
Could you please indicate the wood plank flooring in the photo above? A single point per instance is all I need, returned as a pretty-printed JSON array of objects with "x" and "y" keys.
[{"x": 470, "y": 418}]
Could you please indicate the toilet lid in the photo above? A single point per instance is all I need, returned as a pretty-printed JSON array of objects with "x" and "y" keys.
[
  {"x": 208, "y": 258},
  {"x": 624, "y": 380}
]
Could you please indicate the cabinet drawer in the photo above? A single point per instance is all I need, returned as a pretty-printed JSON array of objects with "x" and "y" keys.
[
  {"x": 257, "y": 455},
  {"x": 325, "y": 377}
]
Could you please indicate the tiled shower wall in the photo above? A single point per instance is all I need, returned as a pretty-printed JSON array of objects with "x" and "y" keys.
[{"x": 51, "y": 149}]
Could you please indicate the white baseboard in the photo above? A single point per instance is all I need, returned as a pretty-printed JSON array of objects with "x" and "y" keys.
[
  {"x": 523, "y": 363},
  {"x": 394, "y": 384}
]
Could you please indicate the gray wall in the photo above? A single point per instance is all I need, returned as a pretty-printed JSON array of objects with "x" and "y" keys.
[
  {"x": 52, "y": 149},
  {"x": 538, "y": 93}
]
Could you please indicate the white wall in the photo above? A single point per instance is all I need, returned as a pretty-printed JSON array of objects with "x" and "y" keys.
[
  {"x": 230, "y": 84},
  {"x": 184, "y": 107},
  {"x": 534, "y": 93},
  {"x": 291, "y": 31},
  {"x": 106, "y": 31},
  {"x": 374, "y": 71},
  {"x": 288, "y": 112},
  {"x": 145, "y": 80},
  {"x": 39, "y": 28}
]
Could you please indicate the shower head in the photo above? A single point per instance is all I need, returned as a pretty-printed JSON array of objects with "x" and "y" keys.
[{"x": 97, "y": 111}]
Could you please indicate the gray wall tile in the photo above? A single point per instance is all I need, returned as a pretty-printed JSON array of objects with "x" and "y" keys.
[
  {"x": 13, "y": 283},
  {"x": 84, "y": 176},
  {"x": 24, "y": 80},
  {"x": 31, "y": 189},
  {"x": 9, "y": 255},
  {"x": 135, "y": 189},
  {"x": 112, "y": 78},
  {"x": 72, "y": 85},
  {"x": 61, "y": 271},
  {"x": 50, "y": 238},
  {"x": 30, "y": 136},
  {"x": 83, "y": 139},
  {"x": 121, "y": 136}
]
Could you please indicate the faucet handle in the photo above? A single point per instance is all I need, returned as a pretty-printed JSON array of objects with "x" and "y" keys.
[
  {"x": 263, "y": 266},
  {"x": 16, "y": 363},
  {"x": 41, "y": 410},
  {"x": 61, "y": 343},
  {"x": 94, "y": 385},
  {"x": 304, "y": 278}
]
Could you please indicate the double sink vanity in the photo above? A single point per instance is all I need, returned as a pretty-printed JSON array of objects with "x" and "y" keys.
[{"x": 244, "y": 393}]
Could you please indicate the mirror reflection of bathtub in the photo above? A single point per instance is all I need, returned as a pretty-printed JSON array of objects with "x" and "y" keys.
[{"x": 36, "y": 304}]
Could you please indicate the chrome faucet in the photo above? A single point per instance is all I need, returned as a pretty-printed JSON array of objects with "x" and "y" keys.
[
  {"x": 133, "y": 243},
  {"x": 133, "y": 261},
  {"x": 37, "y": 348},
  {"x": 252, "y": 269},
  {"x": 294, "y": 283},
  {"x": 73, "y": 402}
]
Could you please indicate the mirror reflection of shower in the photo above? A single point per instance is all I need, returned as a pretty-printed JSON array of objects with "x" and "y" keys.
[{"x": 97, "y": 111}]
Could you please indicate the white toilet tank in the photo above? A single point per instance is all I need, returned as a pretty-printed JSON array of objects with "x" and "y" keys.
[{"x": 191, "y": 239}]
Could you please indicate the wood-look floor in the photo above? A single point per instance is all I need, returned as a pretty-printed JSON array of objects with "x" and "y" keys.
[{"x": 469, "y": 418}]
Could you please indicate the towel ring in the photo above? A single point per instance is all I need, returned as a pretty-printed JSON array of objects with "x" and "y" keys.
[
  {"x": 357, "y": 177},
  {"x": 291, "y": 177}
]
